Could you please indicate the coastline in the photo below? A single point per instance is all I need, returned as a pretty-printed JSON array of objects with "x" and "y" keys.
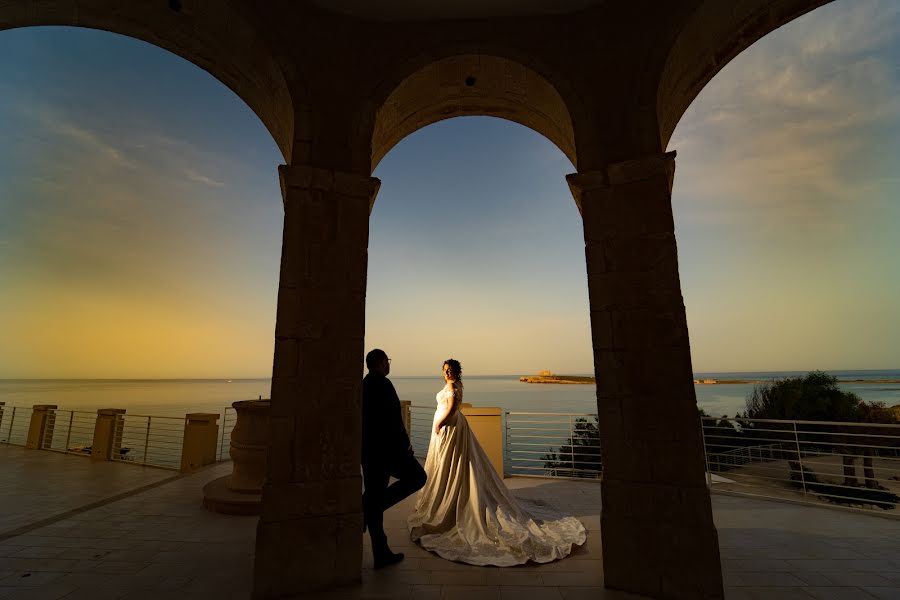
[
  {"x": 563, "y": 379},
  {"x": 581, "y": 380},
  {"x": 755, "y": 381}
]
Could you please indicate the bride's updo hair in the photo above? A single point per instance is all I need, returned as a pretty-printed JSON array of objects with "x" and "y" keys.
[{"x": 455, "y": 368}]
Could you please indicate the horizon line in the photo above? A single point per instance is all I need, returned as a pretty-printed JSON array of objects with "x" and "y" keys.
[{"x": 269, "y": 377}]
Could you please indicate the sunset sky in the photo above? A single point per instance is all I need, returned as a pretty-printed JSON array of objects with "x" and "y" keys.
[{"x": 140, "y": 218}]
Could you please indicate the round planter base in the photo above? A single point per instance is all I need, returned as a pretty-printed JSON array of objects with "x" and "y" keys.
[
  {"x": 218, "y": 498},
  {"x": 240, "y": 492}
]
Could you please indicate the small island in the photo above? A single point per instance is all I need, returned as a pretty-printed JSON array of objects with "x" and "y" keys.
[{"x": 548, "y": 377}]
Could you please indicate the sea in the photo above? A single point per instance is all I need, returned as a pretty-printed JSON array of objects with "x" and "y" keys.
[{"x": 176, "y": 397}]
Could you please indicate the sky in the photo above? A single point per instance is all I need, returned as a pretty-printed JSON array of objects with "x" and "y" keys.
[{"x": 140, "y": 218}]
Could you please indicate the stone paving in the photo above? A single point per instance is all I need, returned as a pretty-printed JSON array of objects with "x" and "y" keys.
[
  {"x": 29, "y": 496},
  {"x": 160, "y": 543}
]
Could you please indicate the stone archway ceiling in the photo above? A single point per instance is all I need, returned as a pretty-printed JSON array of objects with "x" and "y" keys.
[
  {"x": 473, "y": 84},
  {"x": 216, "y": 37},
  {"x": 414, "y": 10},
  {"x": 715, "y": 33}
]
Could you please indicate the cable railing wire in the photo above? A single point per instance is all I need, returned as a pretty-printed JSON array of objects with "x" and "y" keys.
[
  {"x": 69, "y": 431},
  {"x": 150, "y": 440},
  {"x": 851, "y": 464},
  {"x": 542, "y": 444},
  {"x": 14, "y": 424}
]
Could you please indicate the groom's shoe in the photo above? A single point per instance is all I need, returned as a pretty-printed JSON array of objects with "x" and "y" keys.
[{"x": 387, "y": 559}]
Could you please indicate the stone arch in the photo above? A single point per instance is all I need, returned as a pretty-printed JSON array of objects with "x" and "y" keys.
[
  {"x": 221, "y": 38},
  {"x": 711, "y": 37},
  {"x": 472, "y": 84}
]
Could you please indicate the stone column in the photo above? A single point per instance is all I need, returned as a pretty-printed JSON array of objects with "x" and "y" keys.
[
  {"x": 309, "y": 535},
  {"x": 486, "y": 422},
  {"x": 107, "y": 434},
  {"x": 201, "y": 437},
  {"x": 43, "y": 418},
  {"x": 405, "y": 413},
  {"x": 656, "y": 522}
]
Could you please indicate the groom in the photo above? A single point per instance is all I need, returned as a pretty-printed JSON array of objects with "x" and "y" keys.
[{"x": 386, "y": 453}]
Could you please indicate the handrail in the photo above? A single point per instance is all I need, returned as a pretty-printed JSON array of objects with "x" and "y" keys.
[
  {"x": 547, "y": 414},
  {"x": 799, "y": 422}
]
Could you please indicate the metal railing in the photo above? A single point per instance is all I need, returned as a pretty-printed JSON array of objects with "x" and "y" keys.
[
  {"x": 138, "y": 439},
  {"x": 536, "y": 444},
  {"x": 229, "y": 419},
  {"x": 552, "y": 445},
  {"x": 69, "y": 431},
  {"x": 420, "y": 419},
  {"x": 14, "y": 423},
  {"x": 851, "y": 464},
  {"x": 149, "y": 440},
  {"x": 750, "y": 454}
]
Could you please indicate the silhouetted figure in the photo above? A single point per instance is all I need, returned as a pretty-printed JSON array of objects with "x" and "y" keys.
[{"x": 386, "y": 453}]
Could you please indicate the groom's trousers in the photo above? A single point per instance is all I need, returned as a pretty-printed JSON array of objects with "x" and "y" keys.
[{"x": 379, "y": 497}]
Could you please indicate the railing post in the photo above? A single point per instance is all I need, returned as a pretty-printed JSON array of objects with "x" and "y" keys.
[
  {"x": 407, "y": 416},
  {"x": 799, "y": 457},
  {"x": 107, "y": 433},
  {"x": 201, "y": 431},
  {"x": 2, "y": 408},
  {"x": 572, "y": 446},
  {"x": 42, "y": 417},
  {"x": 506, "y": 452},
  {"x": 222, "y": 436},
  {"x": 69, "y": 432},
  {"x": 147, "y": 440},
  {"x": 705, "y": 454},
  {"x": 12, "y": 419}
]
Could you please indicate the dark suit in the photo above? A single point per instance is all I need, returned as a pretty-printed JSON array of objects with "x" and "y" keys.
[{"x": 386, "y": 453}]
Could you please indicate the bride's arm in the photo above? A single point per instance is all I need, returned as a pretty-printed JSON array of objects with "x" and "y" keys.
[{"x": 447, "y": 411}]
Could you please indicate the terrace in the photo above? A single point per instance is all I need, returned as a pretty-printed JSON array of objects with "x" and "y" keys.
[{"x": 74, "y": 528}]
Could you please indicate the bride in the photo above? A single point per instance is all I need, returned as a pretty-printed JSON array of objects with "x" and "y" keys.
[{"x": 465, "y": 512}]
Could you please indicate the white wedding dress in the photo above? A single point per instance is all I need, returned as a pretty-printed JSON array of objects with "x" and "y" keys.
[{"x": 465, "y": 512}]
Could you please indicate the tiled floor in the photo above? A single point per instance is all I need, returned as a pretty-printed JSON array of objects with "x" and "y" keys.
[
  {"x": 37, "y": 486},
  {"x": 160, "y": 543}
]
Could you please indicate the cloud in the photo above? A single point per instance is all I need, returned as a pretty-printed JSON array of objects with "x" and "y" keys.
[
  {"x": 200, "y": 178},
  {"x": 105, "y": 150},
  {"x": 44, "y": 120},
  {"x": 848, "y": 28},
  {"x": 138, "y": 149},
  {"x": 791, "y": 128}
]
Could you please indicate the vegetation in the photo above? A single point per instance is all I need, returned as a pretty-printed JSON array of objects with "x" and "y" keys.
[
  {"x": 839, "y": 494},
  {"x": 815, "y": 397},
  {"x": 580, "y": 455}
]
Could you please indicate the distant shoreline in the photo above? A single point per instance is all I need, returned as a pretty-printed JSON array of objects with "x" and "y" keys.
[
  {"x": 564, "y": 379},
  {"x": 576, "y": 379},
  {"x": 755, "y": 381}
]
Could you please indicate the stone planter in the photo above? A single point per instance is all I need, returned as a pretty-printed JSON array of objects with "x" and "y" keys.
[{"x": 240, "y": 493}]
